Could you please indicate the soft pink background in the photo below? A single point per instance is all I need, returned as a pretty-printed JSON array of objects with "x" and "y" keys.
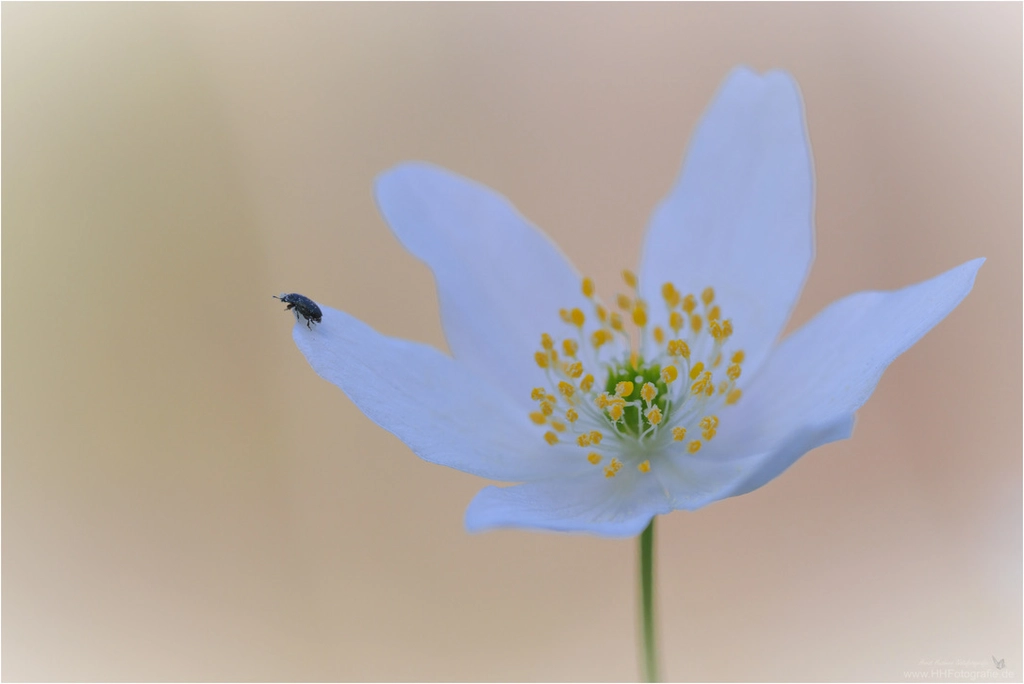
[{"x": 184, "y": 499}]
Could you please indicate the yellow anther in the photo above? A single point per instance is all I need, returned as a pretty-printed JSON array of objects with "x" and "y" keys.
[
  {"x": 583, "y": 440},
  {"x": 718, "y": 360},
  {"x": 577, "y": 318},
  {"x": 707, "y": 296},
  {"x": 738, "y": 357},
  {"x": 564, "y": 315},
  {"x": 697, "y": 369},
  {"x": 648, "y": 392},
  {"x": 613, "y": 467},
  {"x": 595, "y": 437},
  {"x": 615, "y": 411},
  {"x": 669, "y": 374},
  {"x": 709, "y": 389},
  {"x": 546, "y": 408},
  {"x": 538, "y": 393},
  {"x": 565, "y": 389},
  {"x": 615, "y": 320},
  {"x": 689, "y": 303},
  {"x": 624, "y": 302},
  {"x": 694, "y": 446},
  {"x": 570, "y": 347},
  {"x": 602, "y": 400},
  {"x": 659, "y": 335},
  {"x": 629, "y": 277},
  {"x": 709, "y": 426},
  {"x": 634, "y": 358},
  {"x": 678, "y": 434},
  {"x": 538, "y": 418},
  {"x": 715, "y": 329},
  {"x": 654, "y": 415},
  {"x": 542, "y": 359},
  {"x": 546, "y": 341},
  {"x": 553, "y": 354},
  {"x": 588, "y": 287},
  {"x": 723, "y": 387},
  {"x": 639, "y": 316},
  {"x": 574, "y": 370},
  {"x": 703, "y": 384},
  {"x": 602, "y": 313},
  {"x": 726, "y": 328},
  {"x": 671, "y": 295},
  {"x": 734, "y": 371},
  {"x": 594, "y": 457},
  {"x": 559, "y": 427},
  {"x": 714, "y": 313},
  {"x": 624, "y": 388},
  {"x": 551, "y": 438},
  {"x": 679, "y": 348},
  {"x": 696, "y": 322},
  {"x": 675, "y": 321},
  {"x": 571, "y": 415},
  {"x": 733, "y": 396},
  {"x": 644, "y": 467},
  {"x": 551, "y": 399},
  {"x": 600, "y": 337},
  {"x": 587, "y": 382}
]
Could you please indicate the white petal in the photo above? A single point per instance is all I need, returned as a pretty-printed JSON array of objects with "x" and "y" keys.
[
  {"x": 807, "y": 391},
  {"x": 500, "y": 280},
  {"x": 620, "y": 506},
  {"x": 441, "y": 409},
  {"x": 740, "y": 216}
]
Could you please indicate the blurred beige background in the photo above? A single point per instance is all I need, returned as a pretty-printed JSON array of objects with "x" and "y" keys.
[{"x": 184, "y": 499}]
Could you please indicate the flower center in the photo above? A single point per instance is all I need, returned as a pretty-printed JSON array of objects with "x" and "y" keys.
[{"x": 627, "y": 398}]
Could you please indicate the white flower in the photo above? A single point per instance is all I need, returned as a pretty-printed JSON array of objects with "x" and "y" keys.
[{"x": 673, "y": 395}]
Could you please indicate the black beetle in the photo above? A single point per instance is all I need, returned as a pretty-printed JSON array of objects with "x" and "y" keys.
[{"x": 303, "y": 306}]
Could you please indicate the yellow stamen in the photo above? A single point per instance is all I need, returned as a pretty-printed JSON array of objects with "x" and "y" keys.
[
  {"x": 624, "y": 388},
  {"x": 669, "y": 374},
  {"x": 546, "y": 341},
  {"x": 697, "y": 369},
  {"x": 714, "y": 313},
  {"x": 587, "y": 382},
  {"x": 602, "y": 313},
  {"x": 630, "y": 278},
  {"x": 659, "y": 335},
  {"x": 679, "y": 348},
  {"x": 678, "y": 434},
  {"x": 738, "y": 356},
  {"x": 694, "y": 446},
  {"x": 703, "y": 384},
  {"x": 726, "y": 328},
  {"x": 709, "y": 426},
  {"x": 558, "y": 427},
  {"x": 570, "y": 347},
  {"x": 613, "y": 467},
  {"x": 538, "y": 393},
  {"x": 654, "y": 415},
  {"x": 594, "y": 457},
  {"x": 546, "y": 408},
  {"x": 577, "y": 318},
  {"x": 639, "y": 316},
  {"x": 696, "y": 322},
  {"x": 644, "y": 467},
  {"x": 588, "y": 288},
  {"x": 551, "y": 438},
  {"x": 538, "y": 418},
  {"x": 595, "y": 437},
  {"x": 689, "y": 303},
  {"x": 571, "y": 415},
  {"x": 675, "y": 321},
  {"x": 542, "y": 359},
  {"x": 734, "y": 371},
  {"x": 564, "y": 315},
  {"x": 733, "y": 396},
  {"x": 566, "y": 389},
  {"x": 615, "y": 320},
  {"x": 583, "y": 440},
  {"x": 648, "y": 392},
  {"x": 574, "y": 370},
  {"x": 708, "y": 295},
  {"x": 615, "y": 411},
  {"x": 671, "y": 295},
  {"x": 600, "y": 337},
  {"x": 624, "y": 302},
  {"x": 601, "y": 401}
]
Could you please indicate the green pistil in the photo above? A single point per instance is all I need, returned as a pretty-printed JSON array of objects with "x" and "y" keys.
[{"x": 633, "y": 421}]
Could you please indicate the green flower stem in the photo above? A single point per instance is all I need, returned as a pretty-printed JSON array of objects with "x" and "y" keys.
[{"x": 649, "y": 657}]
